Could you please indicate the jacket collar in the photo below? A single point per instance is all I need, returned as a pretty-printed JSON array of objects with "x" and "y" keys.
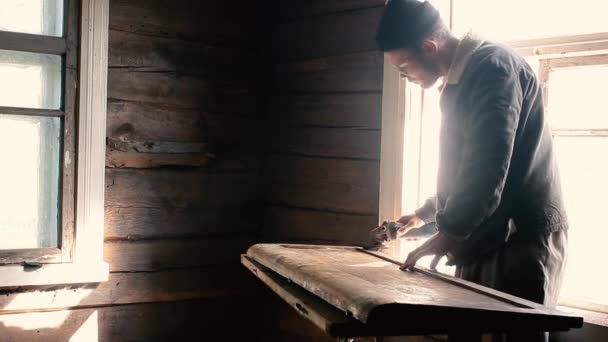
[{"x": 465, "y": 49}]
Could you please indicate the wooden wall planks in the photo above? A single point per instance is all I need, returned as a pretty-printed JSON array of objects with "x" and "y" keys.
[
  {"x": 333, "y": 34},
  {"x": 307, "y": 8},
  {"x": 187, "y": 89},
  {"x": 322, "y": 172},
  {"x": 327, "y": 110},
  {"x": 323, "y": 168}
]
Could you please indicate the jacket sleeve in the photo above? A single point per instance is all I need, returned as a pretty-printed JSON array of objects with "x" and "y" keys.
[
  {"x": 489, "y": 134},
  {"x": 428, "y": 210}
]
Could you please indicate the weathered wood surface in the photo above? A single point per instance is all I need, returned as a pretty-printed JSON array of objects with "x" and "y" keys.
[
  {"x": 328, "y": 110},
  {"x": 182, "y": 91},
  {"x": 375, "y": 291},
  {"x": 161, "y": 54},
  {"x": 357, "y": 72},
  {"x": 286, "y": 224},
  {"x": 156, "y": 255},
  {"x": 328, "y": 35},
  {"x": 214, "y": 21},
  {"x": 328, "y": 142},
  {"x": 179, "y": 189},
  {"x": 324, "y": 184},
  {"x": 133, "y": 287},
  {"x": 323, "y": 315},
  {"x": 133, "y": 223},
  {"x": 133, "y": 322},
  {"x": 136, "y": 160},
  {"x": 306, "y": 8}
]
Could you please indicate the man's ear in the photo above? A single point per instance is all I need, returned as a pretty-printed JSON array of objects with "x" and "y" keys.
[{"x": 430, "y": 47}]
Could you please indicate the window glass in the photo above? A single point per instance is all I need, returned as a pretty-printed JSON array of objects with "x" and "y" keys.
[
  {"x": 29, "y": 179},
  {"x": 44, "y": 17},
  {"x": 524, "y": 19},
  {"x": 577, "y": 97},
  {"x": 583, "y": 163},
  {"x": 30, "y": 80}
]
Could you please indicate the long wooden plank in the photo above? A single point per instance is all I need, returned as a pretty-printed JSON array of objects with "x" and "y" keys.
[
  {"x": 166, "y": 222},
  {"x": 150, "y": 53},
  {"x": 367, "y": 59},
  {"x": 179, "y": 189},
  {"x": 378, "y": 293},
  {"x": 293, "y": 224},
  {"x": 132, "y": 256},
  {"x": 181, "y": 91},
  {"x": 329, "y": 35},
  {"x": 328, "y": 110},
  {"x": 306, "y": 8},
  {"x": 129, "y": 288},
  {"x": 335, "y": 80},
  {"x": 325, "y": 184},
  {"x": 194, "y": 20},
  {"x": 156, "y": 122},
  {"x": 328, "y": 142},
  {"x": 136, "y": 160},
  {"x": 159, "y": 122},
  {"x": 208, "y": 318},
  {"x": 322, "y": 314}
]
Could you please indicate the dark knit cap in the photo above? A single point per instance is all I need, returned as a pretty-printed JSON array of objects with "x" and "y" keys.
[{"x": 405, "y": 23}]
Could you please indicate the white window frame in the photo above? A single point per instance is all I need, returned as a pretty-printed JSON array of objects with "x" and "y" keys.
[{"x": 86, "y": 264}]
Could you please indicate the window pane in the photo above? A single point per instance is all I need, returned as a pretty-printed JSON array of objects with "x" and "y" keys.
[
  {"x": 577, "y": 97},
  {"x": 583, "y": 166},
  {"x": 29, "y": 181},
  {"x": 32, "y": 16},
  {"x": 524, "y": 19},
  {"x": 30, "y": 80}
]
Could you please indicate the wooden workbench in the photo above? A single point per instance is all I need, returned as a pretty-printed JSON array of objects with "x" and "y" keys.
[{"x": 348, "y": 291}]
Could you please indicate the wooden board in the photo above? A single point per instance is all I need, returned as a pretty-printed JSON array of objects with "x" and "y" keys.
[
  {"x": 304, "y": 225},
  {"x": 126, "y": 222},
  {"x": 375, "y": 292},
  {"x": 306, "y": 8},
  {"x": 156, "y": 255},
  {"x": 324, "y": 184},
  {"x": 328, "y": 142},
  {"x": 328, "y": 35},
  {"x": 328, "y": 110},
  {"x": 179, "y": 189}
]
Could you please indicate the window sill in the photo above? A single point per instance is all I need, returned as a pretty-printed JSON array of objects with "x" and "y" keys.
[{"x": 54, "y": 274}]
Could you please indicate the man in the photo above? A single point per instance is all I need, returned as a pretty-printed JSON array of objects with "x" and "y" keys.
[{"x": 498, "y": 207}]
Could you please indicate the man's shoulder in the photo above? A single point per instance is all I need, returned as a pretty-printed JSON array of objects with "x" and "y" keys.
[{"x": 495, "y": 57}]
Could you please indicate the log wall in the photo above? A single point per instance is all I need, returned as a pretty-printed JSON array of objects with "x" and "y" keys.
[
  {"x": 186, "y": 92},
  {"x": 322, "y": 169}
]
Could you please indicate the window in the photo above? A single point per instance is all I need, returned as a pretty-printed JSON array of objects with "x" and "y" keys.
[
  {"x": 51, "y": 225},
  {"x": 32, "y": 123},
  {"x": 578, "y": 114},
  {"x": 572, "y": 64}
]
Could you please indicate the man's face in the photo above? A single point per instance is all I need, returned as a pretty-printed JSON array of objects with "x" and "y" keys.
[{"x": 420, "y": 68}]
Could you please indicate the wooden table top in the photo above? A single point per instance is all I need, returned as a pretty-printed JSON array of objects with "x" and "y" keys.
[{"x": 347, "y": 291}]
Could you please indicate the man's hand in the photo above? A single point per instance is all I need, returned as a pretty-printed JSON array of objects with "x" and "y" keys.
[
  {"x": 411, "y": 221},
  {"x": 437, "y": 245}
]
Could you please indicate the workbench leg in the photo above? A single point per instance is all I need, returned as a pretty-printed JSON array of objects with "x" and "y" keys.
[
  {"x": 345, "y": 339},
  {"x": 379, "y": 339}
]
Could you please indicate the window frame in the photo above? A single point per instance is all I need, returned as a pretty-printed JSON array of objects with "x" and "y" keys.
[
  {"x": 84, "y": 47},
  {"x": 549, "y": 63},
  {"x": 66, "y": 47}
]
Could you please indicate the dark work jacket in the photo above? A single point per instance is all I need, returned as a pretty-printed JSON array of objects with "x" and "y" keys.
[{"x": 497, "y": 170}]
